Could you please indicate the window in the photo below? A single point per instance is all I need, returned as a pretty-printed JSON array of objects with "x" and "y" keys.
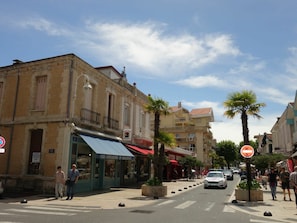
[
  {"x": 142, "y": 121},
  {"x": 127, "y": 114},
  {"x": 40, "y": 93},
  {"x": 110, "y": 110},
  {"x": 192, "y": 147}
]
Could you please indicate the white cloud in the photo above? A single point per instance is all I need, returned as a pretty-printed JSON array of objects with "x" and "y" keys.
[
  {"x": 44, "y": 25},
  {"x": 201, "y": 81},
  {"x": 147, "y": 46},
  {"x": 231, "y": 129}
]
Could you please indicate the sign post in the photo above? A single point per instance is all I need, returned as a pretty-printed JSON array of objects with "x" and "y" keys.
[{"x": 247, "y": 152}]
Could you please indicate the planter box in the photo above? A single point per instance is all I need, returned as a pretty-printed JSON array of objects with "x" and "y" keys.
[
  {"x": 243, "y": 195},
  {"x": 153, "y": 191}
]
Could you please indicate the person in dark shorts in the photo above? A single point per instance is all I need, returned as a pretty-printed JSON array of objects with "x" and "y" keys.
[{"x": 285, "y": 181}]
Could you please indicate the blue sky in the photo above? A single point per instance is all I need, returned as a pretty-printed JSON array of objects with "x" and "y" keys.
[{"x": 190, "y": 51}]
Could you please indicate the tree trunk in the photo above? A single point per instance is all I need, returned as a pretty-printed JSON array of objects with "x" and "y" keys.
[
  {"x": 245, "y": 129},
  {"x": 156, "y": 145}
]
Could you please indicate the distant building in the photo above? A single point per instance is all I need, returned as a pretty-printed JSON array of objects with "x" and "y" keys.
[{"x": 191, "y": 129}]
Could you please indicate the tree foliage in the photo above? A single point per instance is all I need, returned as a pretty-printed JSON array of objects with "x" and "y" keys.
[
  {"x": 244, "y": 104},
  {"x": 266, "y": 161},
  {"x": 228, "y": 150}
]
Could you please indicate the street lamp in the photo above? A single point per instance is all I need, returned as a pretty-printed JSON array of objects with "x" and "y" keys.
[{"x": 87, "y": 86}]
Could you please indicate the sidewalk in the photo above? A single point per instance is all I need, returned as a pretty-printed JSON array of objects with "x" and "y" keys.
[
  {"x": 282, "y": 211},
  {"x": 112, "y": 198}
]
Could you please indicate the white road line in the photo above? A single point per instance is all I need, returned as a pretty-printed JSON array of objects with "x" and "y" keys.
[
  {"x": 55, "y": 209},
  {"x": 185, "y": 205},
  {"x": 4, "y": 213},
  {"x": 228, "y": 209},
  {"x": 210, "y": 206},
  {"x": 40, "y": 212},
  {"x": 10, "y": 222},
  {"x": 164, "y": 203},
  {"x": 259, "y": 221}
]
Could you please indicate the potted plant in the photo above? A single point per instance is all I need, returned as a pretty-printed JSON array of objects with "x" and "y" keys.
[
  {"x": 154, "y": 188},
  {"x": 242, "y": 192}
]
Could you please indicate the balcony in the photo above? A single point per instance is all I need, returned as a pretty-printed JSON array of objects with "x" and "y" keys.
[
  {"x": 111, "y": 123},
  {"x": 89, "y": 116}
]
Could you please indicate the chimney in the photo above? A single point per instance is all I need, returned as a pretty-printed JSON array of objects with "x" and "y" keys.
[{"x": 179, "y": 104}]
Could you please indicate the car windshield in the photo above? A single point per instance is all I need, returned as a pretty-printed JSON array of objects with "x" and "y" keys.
[{"x": 214, "y": 175}]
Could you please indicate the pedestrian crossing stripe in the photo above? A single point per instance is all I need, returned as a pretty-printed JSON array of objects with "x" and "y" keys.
[
  {"x": 40, "y": 212},
  {"x": 185, "y": 204}
]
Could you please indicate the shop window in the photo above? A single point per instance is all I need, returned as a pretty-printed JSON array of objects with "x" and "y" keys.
[
  {"x": 110, "y": 168},
  {"x": 84, "y": 162}
]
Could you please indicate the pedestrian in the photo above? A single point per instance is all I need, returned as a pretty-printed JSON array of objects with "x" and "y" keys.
[
  {"x": 272, "y": 180},
  {"x": 293, "y": 181},
  {"x": 285, "y": 180},
  {"x": 60, "y": 182},
  {"x": 73, "y": 175}
]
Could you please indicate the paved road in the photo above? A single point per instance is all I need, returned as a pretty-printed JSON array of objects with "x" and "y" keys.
[{"x": 282, "y": 211}]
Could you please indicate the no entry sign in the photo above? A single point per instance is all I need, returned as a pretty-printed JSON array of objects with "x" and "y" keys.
[
  {"x": 247, "y": 151},
  {"x": 2, "y": 141}
]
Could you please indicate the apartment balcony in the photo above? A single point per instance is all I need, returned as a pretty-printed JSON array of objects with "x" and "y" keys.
[
  {"x": 89, "y": 116},
  {"x": 111, "y": 123}
]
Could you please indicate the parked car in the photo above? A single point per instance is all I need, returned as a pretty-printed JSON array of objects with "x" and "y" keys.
[
  {"x": 215, "y": 179},
  {"x": 228, "y": 174},
  {"x": 236, "y": 171}
]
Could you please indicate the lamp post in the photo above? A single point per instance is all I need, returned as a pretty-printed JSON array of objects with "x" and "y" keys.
[{"x": 87, "y": 86}]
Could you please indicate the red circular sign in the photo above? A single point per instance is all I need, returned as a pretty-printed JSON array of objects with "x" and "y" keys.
[
  {"x": 247, "y": 151},
  {"x": 2, "y": 142}
]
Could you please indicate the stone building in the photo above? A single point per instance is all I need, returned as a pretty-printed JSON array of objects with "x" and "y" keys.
[{"x": 61, "y": 110}]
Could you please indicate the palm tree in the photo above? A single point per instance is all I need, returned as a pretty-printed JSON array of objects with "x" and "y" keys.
[
  {"x": 243, "y": 103},
  {"x": 158, "y": 107}
]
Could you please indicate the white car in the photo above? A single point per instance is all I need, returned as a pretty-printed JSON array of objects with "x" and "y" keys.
[{"x": 215, "y": 179}]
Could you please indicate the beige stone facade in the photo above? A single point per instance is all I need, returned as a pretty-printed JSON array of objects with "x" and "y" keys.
[{"x": 44, "y": 107}]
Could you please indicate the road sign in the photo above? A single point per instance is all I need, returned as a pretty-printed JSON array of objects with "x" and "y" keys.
[
  {"x": 2, "y": 150},
  {"x": 247, "y": 151},
  {"x": 2, "y": 141}
]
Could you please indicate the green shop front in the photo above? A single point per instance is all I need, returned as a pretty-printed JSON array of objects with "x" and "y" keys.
[{"x": 102, "y": 161}]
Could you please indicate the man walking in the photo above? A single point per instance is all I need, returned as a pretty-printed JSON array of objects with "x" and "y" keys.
[
  {"x": 73, "y": 175},
  {"x": 293, "y": 181},
  {"x": 272, "y": 179}
]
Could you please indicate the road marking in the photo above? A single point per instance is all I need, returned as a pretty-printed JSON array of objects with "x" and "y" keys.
[
  {"x": 259, "y": 221},
  {"x": 55, "y": 209},
  {"x": 40, "y": 212},
  {"x": 164, "y": 203},
  {"x": 10, "y": 222},
  {"x": 185, "y": 205},
  {"x": 210, "y": 206},
  {"x": 228, "y": 209}
]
